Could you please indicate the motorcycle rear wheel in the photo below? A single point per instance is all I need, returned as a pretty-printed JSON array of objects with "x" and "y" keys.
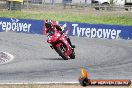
[{"x": 72, "y": 55}]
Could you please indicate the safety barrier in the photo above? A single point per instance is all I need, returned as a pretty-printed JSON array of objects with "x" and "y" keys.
[
  {"x": 74, "y": 28},
  {"x": 21, "y": 25},
  {"x": 100, "y": 30}
]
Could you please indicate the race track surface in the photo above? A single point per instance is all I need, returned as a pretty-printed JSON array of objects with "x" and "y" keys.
[{"x": 35, "y": 61}]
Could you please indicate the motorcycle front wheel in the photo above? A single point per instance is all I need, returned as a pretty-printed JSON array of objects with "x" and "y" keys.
[{"x": 60, "y": 50}]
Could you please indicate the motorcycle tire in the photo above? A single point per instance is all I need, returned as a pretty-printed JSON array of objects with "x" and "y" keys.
[
  {"x": 58, "y": 49},
  {"x": 72, "y": 55}
]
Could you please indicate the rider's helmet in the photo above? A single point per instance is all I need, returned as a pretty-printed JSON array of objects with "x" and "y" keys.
[{"x": 48, "y": 24}]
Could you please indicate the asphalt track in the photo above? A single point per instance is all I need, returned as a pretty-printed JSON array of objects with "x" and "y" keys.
[{"x": 35, "y": 61}]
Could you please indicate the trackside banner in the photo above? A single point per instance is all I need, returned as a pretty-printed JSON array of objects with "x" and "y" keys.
[
  {"x": 21, "y": 25},
  {"x": 97, "y": 30},
  {"x": 100, "y": 30},
  {"x": 73, "y": 28}
]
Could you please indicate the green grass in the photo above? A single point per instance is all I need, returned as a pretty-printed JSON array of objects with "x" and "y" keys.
[{"x": 70, "y": 16}]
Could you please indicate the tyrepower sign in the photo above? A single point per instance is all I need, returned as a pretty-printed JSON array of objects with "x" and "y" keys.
[
  {"x": 21, "y": 25},
  {"x": 72, "y": 28},
  {"x": 100, "y": 31}
]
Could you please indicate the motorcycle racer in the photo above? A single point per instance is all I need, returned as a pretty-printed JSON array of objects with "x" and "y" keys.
[{"x": 51, "y": 27}]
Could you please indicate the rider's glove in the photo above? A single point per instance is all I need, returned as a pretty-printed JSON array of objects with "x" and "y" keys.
[{"x": 62, "y": 32}]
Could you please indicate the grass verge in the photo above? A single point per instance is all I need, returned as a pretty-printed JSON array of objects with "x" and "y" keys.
[{"x": 71, "y": 16}]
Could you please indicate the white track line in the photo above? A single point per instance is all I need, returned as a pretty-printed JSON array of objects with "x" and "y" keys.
[{"x": 42, "y": 83}]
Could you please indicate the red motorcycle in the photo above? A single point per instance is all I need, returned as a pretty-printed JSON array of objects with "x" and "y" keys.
[{"x": 60, "y": 44}]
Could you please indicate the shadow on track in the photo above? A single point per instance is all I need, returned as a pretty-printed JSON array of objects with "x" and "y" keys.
[{"x": 54, "y": 59}]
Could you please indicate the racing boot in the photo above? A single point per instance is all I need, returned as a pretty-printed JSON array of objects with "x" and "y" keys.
[{"x": 73, "y": 46}]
